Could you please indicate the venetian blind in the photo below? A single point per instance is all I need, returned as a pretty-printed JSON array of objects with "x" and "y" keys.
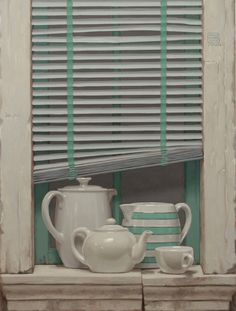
[{"x": 116, "y": 85}]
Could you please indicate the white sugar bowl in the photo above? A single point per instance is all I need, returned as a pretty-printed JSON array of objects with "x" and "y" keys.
[{"x": 109, "y": 249}]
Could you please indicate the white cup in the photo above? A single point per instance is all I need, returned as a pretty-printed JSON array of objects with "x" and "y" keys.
[{"x": 174, "y": 259}]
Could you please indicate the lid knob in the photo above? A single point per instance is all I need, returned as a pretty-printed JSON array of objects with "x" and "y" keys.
[
  {"x": 110, "y": 221},
  {"x": 84, "y": 181}
]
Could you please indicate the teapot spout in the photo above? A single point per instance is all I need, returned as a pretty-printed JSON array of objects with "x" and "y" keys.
[{"x": 138, "y": 251}]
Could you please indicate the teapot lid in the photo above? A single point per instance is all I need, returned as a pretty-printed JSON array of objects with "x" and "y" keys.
[
  {"x": 110, "y": 225},
  {"x": 83, "y": 186}
]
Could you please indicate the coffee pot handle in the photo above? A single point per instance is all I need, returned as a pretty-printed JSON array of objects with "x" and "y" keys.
[
  {"x": 111, "y": 193},
  {"x": 58, "y": 236},
  {"x": 82, "y": 233},
  {"x": 188, "y": 219}
]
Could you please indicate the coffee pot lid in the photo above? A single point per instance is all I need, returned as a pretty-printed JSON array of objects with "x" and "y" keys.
[
  {"x": 83, "y": 186},
  {"x": 110, "y": 225}
]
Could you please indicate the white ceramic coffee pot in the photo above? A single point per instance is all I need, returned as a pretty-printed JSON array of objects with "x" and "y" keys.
[{"x": 76, "y": 206}]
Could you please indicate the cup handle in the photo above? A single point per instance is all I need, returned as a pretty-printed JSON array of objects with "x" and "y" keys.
[
  {"x": 82, "y": 233},
  {"x": 188, "y": 219},
  {"x": 58, "y": 236},
  {"x": 187, "y": 261}
]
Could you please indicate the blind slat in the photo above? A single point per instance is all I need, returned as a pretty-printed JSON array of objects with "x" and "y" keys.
[
  {"x": 121, "y": 101},
  {"x": 123, "y": 57},
  {"x": 101, "y": 11},
  {"x": 78, "y": 30},
  {"x": 108, "y": 83},
  {"x": 121, "y": 128},
  {"x": 107, "y": 3},
  {"x": 59, "y": 147},
  {"x": 42, "y": 22},
  {"x": 115, "y": 40},
  {"x": 37, "y": 76},
  {"x": 113, "y": 119},
  {"x": 121, "y": 92},
  {"x": 46, "y": 48},
  {"x": 113, "y": 111}
]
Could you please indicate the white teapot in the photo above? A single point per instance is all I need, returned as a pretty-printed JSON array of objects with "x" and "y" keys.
[
  {"x": 77, "y": 206},
  {"x": 109, "y": 249}
]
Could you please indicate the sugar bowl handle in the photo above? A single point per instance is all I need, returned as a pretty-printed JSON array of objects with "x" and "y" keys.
[{"x": 188, "y": 219}]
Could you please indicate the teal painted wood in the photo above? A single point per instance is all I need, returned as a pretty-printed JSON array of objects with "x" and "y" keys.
[
  {"x": 44, "y": 254},
  {"x": 116, "y": 211},
  {"x": 41, "y": 233},
  {"x": 192, "y": 198},
  {"x": 53, "y": 257},
  {"x": 151, "y": 216},
  {"x": 155, "y": 230},
  {"x": 149, "y": 260}
]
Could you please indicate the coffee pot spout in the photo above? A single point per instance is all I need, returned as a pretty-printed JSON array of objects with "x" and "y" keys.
[{"x": 138, "y": 251}]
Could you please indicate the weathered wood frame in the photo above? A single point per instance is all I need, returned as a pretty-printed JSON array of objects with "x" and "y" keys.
[
  {"x": 16, "y": 238},
  {"x": 218, "y": 167}
]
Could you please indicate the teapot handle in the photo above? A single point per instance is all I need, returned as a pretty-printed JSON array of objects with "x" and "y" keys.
[
  {"x": 58, "y": 236},
  {"x": 82, "y": 233},
  {"x": 188, "y": 219}
]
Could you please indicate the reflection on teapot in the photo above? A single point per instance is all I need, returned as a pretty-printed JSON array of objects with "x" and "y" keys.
[
  {"x": 109, "y": 249},
  {"x": 160, "y": 218},
  {"x": 77, "y": 206}
]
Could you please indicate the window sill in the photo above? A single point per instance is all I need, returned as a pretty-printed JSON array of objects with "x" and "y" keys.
[
  {"x": 55, "y": 288},
  {"x": 192, "y": 291},
  {"x": 52, "y": 288},
  {"x": 52, "y": 274}
]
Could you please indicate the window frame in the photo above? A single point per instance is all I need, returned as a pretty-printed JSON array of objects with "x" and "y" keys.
[{"x": 217, "y": 169}]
